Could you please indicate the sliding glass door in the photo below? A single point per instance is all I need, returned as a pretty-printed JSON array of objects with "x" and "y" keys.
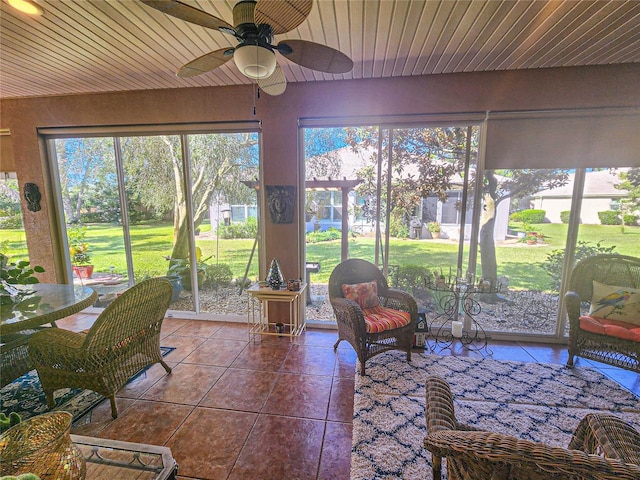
[
  {"x": 384, "y": 193},
  {"x": 140, "y": 206}
]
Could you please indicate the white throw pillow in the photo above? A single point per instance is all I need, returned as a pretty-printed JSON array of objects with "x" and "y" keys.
[{"x": 615, "y": 303}]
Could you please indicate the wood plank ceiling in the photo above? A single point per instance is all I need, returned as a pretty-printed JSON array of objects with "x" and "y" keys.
[{"x": 115, "y": 45}]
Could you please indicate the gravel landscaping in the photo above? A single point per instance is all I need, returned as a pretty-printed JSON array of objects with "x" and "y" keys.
[{"x": 514, "y": 311}]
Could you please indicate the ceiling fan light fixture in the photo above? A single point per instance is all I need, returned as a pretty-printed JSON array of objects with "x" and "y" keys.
[
  {"x": 255, "y": 61},
  {"x": 26, "y": 6}
]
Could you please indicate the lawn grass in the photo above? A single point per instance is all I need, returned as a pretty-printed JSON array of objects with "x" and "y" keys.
[{"x": 152, "y": 243}]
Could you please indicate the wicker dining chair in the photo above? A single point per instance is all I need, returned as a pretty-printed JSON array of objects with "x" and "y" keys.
[
  {"x": 354, "y": 322},
  {"x": 603, "y": 447},
  {"x": 619, "y": 350},
  {"x": 124, "y": 339}
]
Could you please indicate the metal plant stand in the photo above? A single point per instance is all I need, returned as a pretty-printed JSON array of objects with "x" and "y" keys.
[{"x": 455, "y": 303}]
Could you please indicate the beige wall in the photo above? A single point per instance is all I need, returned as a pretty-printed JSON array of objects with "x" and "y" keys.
[
  {"x": 588, "y": 212},
  {"x": 582, "y": 87}
]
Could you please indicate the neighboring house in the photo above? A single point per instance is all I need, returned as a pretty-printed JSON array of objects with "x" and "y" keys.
[
  {"x": 431, "y": 209},
  {"x": 599, "y": 195}
]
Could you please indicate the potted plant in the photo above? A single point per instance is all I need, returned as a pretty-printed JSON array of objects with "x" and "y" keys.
[
  {"x": 79, "y": 252},
  {"x": 435, "y": 229},
  {"x": 530, "y": 239},
  {"x": 181, "y": 267}
]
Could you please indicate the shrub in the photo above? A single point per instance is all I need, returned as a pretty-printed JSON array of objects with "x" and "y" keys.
[
  {"x": 247, "y": 229},
  {"x": 564, "y": 216},
  {"x": 398, "y": 227},
  {"x": 609, "y": 217},
  {"x": 218, "y": 275},
  {"x": 323, "y": 236},
  {"x": 434, "y": 227},
  {"x": 555, "y": 259},
  {"x": 14, "y": 221},
  {"x": 410, "y": 276},
  {"x": 630, "y": 219},
  {"x": 528, "y": 216}
]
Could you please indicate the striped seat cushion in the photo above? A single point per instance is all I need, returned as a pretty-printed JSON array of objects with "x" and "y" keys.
[{"x": 379, "y": 319}]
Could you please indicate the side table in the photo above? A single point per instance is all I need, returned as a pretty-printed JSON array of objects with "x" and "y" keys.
[{"x": 258, "y": 311}]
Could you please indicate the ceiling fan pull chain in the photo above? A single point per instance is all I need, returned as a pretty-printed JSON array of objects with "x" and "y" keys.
[{"x": 254, "y": 101}]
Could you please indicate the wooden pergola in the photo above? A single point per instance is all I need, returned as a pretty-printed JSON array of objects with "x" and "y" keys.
[{"x": 345, "y": 186}]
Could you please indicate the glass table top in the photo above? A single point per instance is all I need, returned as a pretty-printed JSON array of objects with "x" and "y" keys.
[{"x": 44, "y": 303}]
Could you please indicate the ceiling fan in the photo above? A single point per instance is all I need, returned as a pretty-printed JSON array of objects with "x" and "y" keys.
[{"x": 255, "y": 22}]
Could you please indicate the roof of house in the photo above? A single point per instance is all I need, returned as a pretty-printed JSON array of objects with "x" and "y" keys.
[{"x": 596, "y": 183}]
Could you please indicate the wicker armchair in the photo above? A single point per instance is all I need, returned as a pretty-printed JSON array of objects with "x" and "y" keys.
[
  {"x": 619, "y": 270},
  {"x": 351, "y": 318},
  {"x": 602, "y": 448},
  {"x": 124, "y": 339}
]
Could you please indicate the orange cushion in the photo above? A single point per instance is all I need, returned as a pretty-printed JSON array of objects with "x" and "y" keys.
[
  {"x": 380, "y": 319},
  {"x": 613, "y": 328},
  {"x": 364, "y": 294}
]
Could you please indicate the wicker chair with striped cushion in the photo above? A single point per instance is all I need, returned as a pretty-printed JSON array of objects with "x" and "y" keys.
[
  {"x": 372, "y": 317},
  {"x": 603, "y": 447},
  {"x": 124, "y": 339},
  {"x": 603, "y": 306}
]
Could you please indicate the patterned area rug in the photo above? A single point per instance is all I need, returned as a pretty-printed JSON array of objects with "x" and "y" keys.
[
  {"x": 538, "y": 402},
  {"x": 25, "y": 396}
]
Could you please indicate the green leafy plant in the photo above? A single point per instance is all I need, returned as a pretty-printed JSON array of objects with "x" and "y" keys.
[
  {"x": 247, "y": 229},
  {"x": 555, "y": 259},
  {"x": 182, "y": 267},
  {"x": 78, "y": 246},
  {"x": 219, "y": 275},
  {"x": 630, "y": 219},
  {"x": 434, "y": 227},
  {"x": 528, "y": 216},
  {"x": 6, "y": 422},
  {"x": 323, "y": 236},
  {"x": 411, "y": 276},
  {"x": 610, "y": 217},
  {"x": 20, "y": 273}
]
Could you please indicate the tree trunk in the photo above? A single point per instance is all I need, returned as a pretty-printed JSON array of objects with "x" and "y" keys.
[{"x": 487, "y": 242}]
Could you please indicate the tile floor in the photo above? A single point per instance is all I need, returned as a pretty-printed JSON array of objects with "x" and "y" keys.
[{"x": 273, "y": 409}]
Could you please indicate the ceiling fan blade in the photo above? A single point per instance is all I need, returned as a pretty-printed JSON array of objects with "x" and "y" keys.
[
  {"x": 282, "y": 15},
  {"x": 274, "y": 84},
  {"x": 190, "y": 14},
  {"x": 316, "y": 56},
  {"x": 205, "y": 63}
]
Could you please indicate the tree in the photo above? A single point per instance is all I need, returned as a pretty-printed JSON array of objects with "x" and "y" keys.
[
  {"x": 425, "y": 162},
  {"x": 630, "y": 183},
  {"x": 497, "y": 186},
  {"x": 83, "y": 163},
  {"x": 154, "y": 170},
  {"x": 430, "y": 161}
]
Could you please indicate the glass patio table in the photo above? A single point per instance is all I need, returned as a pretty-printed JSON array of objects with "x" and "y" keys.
[
  {"x": 44, "y": 304},
  {"x": 47, "y": 303},
  {"x": 113, "y": 459}
]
